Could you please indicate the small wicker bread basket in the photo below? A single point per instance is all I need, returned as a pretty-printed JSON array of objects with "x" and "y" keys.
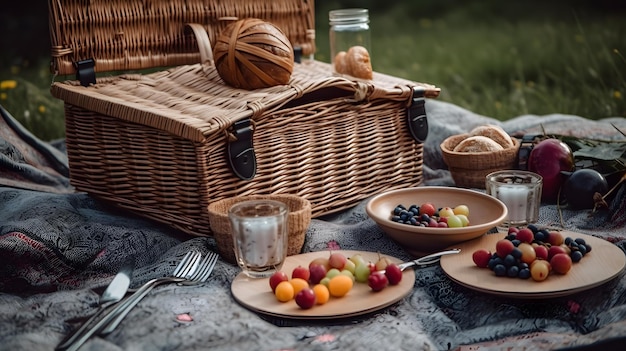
[
  {"x": 299, "y": 218},
  {"x": 469, "y": 169}
]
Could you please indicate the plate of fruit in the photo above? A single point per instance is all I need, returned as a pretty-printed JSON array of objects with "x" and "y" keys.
[
  {"x": 326, "y": 285},
  {"x": 531, "y": 262}
]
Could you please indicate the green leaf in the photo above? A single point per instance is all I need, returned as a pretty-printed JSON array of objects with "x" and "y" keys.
[{"x": 601, "y": 151}]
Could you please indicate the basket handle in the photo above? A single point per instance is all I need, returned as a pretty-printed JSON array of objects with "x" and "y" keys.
[{"x": 204, "y": 43}]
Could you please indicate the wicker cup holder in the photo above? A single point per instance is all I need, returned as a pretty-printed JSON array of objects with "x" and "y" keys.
[{"x": 299, "y": 218}]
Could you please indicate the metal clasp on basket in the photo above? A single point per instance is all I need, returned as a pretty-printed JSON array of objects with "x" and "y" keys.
[
  {"x": 241, "y": 155},
  {"x": 416, "y": 116}
]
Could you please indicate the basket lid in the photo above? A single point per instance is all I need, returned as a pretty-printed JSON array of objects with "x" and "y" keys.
[
  {"x": 191, "y": 101},
  {"x": 123, "y": 35}
]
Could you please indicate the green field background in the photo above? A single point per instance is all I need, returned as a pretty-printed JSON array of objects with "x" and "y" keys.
[{"x": 496, "y": 58}]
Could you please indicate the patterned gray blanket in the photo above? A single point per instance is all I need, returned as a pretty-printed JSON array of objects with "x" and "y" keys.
[{"x": 60, "y": 248}]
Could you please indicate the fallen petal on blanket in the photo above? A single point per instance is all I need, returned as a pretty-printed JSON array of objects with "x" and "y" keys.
[{"x": 184, "y": 317}]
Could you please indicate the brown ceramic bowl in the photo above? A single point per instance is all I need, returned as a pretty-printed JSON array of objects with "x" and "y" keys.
[{"x": 486, "y": 213}]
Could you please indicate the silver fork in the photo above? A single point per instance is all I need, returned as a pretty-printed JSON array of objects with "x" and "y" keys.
[
  {"x": 189, "y": 271},
  {"x": 200, "y": 274}
]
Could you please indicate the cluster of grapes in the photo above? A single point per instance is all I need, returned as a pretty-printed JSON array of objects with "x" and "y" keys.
[
  {"x": 511, "y": 265},
  {"x": 577, "y": 248},
  {"x": 427, "y": 215},
  {"x": 532, "y": 252}
]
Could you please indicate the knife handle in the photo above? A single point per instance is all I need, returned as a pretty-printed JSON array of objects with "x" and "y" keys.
[
  {"x": 130, "y": 302},
  {"x": 71, "y": 338}
]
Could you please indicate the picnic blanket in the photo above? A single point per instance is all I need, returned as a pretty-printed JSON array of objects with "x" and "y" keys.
[{"x": 59, "y": 248}]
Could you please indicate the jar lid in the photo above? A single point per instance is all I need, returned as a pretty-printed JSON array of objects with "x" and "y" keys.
[{"x": 348, "y": 16}]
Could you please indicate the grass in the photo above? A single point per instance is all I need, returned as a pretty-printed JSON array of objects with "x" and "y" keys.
[{"x": 493, "y": 58}]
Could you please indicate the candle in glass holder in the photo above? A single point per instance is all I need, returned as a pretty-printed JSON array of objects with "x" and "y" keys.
[
  {"x": 520, "y": 191},
  {"x": 259, "y": 236}
]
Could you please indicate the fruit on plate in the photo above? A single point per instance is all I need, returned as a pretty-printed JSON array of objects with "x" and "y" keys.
[
  {"x": 306, "y": 298},
  {"x": 517, "y": 256},
  {"x": 377, "y": 281},
  {"x": 481, "y": 257},
  {"x": 317, "y": 272},
  {"x": 337, "y": 260},
  {"x": 277, "y": 278},
  {"x": 340, "y": 285},
  {"x": 284, "y": 291},
  {"x": 301, "y": 272},
  {"x": 393, "y": 273},
  {"x": 549, "y": 158},
  {"x": 316, "y": 285}
]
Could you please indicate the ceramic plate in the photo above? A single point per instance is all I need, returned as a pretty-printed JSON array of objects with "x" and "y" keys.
[
  {"x": 256, "y": 295},
  {"x": 602, "y": 264}
]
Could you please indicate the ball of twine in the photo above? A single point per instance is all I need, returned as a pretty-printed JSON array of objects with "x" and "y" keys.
[{"x": 252, "y": 54}]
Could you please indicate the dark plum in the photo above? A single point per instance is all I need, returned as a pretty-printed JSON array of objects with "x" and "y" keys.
[
  {"x": 549, "y": 158},
  {"x": 580, "y": 187}
]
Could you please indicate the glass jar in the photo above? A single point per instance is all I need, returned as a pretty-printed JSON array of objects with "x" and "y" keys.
[{"x": 348, "y": 28}]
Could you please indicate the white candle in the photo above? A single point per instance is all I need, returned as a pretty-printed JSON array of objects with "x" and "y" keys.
[
  {"x": 515, "y": 197},
  {"x": 262, "y": 245}
]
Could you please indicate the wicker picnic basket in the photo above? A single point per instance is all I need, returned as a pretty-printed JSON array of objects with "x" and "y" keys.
[{"x": 167, "y": 142}]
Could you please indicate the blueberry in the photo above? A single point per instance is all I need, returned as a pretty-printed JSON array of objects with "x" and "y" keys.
[
  {"x": 512, "y": 272},
  {"x": 540, "y": 236},
  {"x": 576, "y": 256},
  {"x": 533, "y": 228},
  {"x": 499, "y": 270},
  {"x": 524, "y": 273},
  {"x": 510, "y": 260},
  {"x": 517, "y": 253}
]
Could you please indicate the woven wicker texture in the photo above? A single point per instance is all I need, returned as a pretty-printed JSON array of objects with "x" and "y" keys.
[
  {"x": 155, "y": 144},
  {"x": 298, "y": 218},
  {"x": 252, "y": 54},
  {"x": 469, "y": 169},
  {"x": 124, "y": 35}
]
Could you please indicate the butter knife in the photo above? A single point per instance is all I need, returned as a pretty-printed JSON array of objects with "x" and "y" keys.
[
  {"x": 426, "y": 260},
  {"x": 113, "y": 294}
]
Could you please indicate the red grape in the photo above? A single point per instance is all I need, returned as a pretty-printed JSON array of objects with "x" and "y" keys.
[
  {"x": 393, "y": 273},
  {"x": 481, "y": 257},
  {"x": 306, "y": 298},
  {"x": 377, "y": 281}
]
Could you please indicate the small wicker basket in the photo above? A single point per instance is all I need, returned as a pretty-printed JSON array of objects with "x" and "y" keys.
[
  {"x": 299, "y": 218},
  {"x": 469, "y": 169}
]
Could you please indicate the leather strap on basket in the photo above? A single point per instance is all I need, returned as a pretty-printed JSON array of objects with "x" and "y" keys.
[
  {"x": 240, "y": 150},
  {"x": 416, "y": 115}
]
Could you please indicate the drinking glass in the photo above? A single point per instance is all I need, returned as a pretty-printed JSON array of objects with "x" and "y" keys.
[{"x": 259, "y": 236}]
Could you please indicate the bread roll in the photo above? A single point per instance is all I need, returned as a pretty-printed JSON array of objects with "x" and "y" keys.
[
  {"x": 478, "y": 143},
  {"x": 495, "y": 133},
  {"x": 358, "y": 63},
  {"x": 340, "y": 63}
]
